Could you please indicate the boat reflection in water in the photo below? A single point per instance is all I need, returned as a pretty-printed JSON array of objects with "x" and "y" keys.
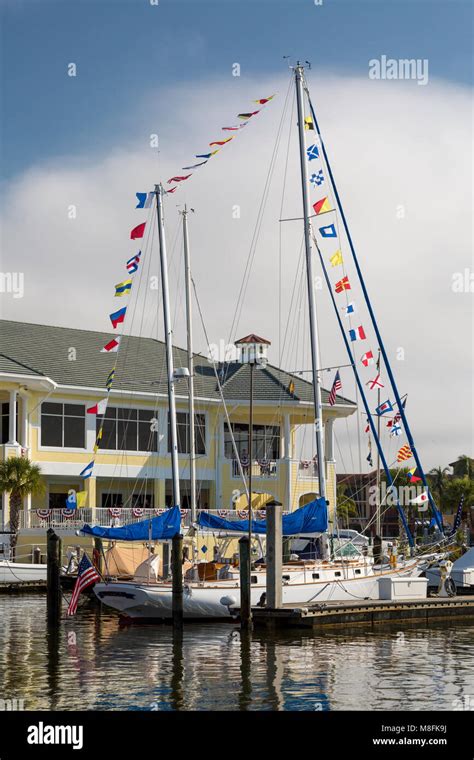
[{"x": 91, "y": 663}]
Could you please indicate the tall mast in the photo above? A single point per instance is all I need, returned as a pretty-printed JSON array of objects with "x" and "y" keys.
[
  {"x": 378, "y": 506},
  {"x": 315, "y": 360},
  {"x": 189, "y": 332},
  {"x": 169, "y": 345}
]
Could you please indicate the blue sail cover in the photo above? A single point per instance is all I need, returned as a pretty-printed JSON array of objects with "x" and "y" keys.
[
  {"x": 164, "y": 526},
  {"x": 312, "y": 518}
]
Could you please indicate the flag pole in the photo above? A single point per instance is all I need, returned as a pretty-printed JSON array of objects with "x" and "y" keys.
[
  {"x": 189, "y": 328},
  {"x": 376, "y": 328},
  {"x": 315, "y": 358}
]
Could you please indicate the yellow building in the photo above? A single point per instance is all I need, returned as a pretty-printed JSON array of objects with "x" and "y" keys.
[{"x": 51, "y": 375}]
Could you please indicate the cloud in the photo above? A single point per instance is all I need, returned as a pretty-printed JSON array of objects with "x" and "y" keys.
[{"x": 399, "y": 154}]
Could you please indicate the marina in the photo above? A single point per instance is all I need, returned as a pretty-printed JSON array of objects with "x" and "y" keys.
[
  {"x": 366, "y": 613},
  {"x": 236, "y": 464}
]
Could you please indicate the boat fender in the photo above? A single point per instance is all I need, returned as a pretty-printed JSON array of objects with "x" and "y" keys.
[
  {"x": 228, "y": 601},
  {"x": 450, "y": 587}
]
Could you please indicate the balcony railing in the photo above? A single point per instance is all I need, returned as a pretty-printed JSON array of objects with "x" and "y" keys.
[
  {"x": 63, "y": 519},
  {"x": 307, "y": 468},
  {"x": 261, "y": 468}
]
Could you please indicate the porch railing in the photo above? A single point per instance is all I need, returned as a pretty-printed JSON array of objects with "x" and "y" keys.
[
  {"x": 261, "y": 468},
  {"x": 307, "y": 468},
  {"x": 110, "y": 518}
]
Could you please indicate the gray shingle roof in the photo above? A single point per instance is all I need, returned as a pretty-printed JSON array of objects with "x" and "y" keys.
[
  {"x": 7, "y": 364},
  {"x": 72, "y": 358}
]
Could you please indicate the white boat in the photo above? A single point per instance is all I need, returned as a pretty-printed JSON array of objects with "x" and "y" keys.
[
  {"x": 303, "y": 583},
  {"x": 17, "y": 572}
]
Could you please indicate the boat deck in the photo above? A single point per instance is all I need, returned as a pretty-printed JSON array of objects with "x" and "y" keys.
[{"x": 365, "y": 612}]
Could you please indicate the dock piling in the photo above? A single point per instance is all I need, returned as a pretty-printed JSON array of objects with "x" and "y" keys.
[
  {"x": 177, "y": 580},
  {"x": 53, "y": 582},
  {"x": 245, "y": 570},
  {"x": 274, "y": 556},
  {"x": 98, "y": 554}
]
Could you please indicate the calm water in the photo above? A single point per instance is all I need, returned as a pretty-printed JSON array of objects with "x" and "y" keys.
[{"x": 92, "y": 663}]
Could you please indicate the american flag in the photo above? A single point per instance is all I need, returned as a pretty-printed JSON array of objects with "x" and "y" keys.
[
  {"x": 87, "y": 575},
  {"x": 336, "y": 386}
]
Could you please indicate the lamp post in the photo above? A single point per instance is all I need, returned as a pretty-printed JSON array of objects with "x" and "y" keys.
[{"x": 253, "y": 351}]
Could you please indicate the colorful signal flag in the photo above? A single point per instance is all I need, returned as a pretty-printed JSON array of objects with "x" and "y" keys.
[
  {"x": 118, "y": 317},
  {"x": 138, "y": 231}
]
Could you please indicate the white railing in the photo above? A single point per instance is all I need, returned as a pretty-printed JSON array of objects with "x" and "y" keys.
[
  {"x": 114, "y": 518},
  {"x": 261, "y": 468},
  {"x": 54, "y": 518},
  {"x": 307, "y": 468}
]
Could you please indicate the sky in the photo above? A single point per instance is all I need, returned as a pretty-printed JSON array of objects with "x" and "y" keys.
[{"x": 401, "y": 153}]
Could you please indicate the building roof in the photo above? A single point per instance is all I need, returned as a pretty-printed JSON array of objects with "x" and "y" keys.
[
  {"x": 73, "y": 358},
  {"x": 252, "y": 338}
]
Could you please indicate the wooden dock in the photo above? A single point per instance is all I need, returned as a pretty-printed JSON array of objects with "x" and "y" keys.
[
  {"x": 35, "y": 587},
  {"x": 364, "y": 613}
]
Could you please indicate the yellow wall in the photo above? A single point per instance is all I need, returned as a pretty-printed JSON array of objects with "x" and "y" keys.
[{"x": 230, "y": 487}]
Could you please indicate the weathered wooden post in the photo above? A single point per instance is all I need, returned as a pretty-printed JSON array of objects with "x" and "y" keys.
[
  {"x": 245, "y": 570},
  {"x": 53, "y": 576},
  {"x": 177, "y": 573},
  {"x": 274, "y": 556},
  {"x": 166, "y": 560},
  {"x": 98, "y": 554}
]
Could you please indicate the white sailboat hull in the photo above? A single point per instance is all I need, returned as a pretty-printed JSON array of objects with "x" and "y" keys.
[
  {"x": 16, "y": 572},
  {"x": 216, "y": 600}
]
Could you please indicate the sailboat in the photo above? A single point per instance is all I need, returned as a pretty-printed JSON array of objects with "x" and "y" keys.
[{"x": 304, "y": 581}]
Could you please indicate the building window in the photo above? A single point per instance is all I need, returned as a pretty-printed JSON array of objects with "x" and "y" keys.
[
  {"x": 63, "y": 425},
  {"x": 182, "y": 424},
  {"x": 266, "y": 441},
  {"x": 57, "y": 500},
  {"x": 127, "y": 430},
  {"x": 111, "y": 500},
  {"x": 5, "y": 432}
]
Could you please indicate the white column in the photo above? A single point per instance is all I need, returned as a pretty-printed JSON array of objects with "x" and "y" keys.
[
  {"x": 91, "y": 430},
  {"x": 12, "y": 419},
  {"x": 24, "y": 421},
  {"x": 219, "y": 454},
  {"x": 286, "y": 437},
  {"x": 287, "y": 454}
]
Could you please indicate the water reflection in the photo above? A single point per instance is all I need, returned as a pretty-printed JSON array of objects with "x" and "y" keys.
[{"x": 90, "y": 662}]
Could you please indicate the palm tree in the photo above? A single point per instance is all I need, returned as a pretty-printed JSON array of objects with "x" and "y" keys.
[
  {"x": 438, "y": 481},
  {"x": 346, "y": 506},
  {"x": 20, "y": 478},
  {"x": 466, "y": 471}
]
